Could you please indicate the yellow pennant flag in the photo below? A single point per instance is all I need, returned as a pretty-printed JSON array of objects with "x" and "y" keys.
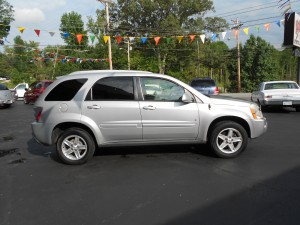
[
  {"x": 180, "y": 38},
  {"x": 246, "y": 30},
  {"x": 106, "y": 39},
  {"x": 21, "y": 29}
]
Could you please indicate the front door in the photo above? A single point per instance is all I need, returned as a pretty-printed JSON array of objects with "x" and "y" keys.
[{"x": 164, "y": 115}]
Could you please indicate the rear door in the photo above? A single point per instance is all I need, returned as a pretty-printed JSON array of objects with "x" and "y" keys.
[
  {"x": 112, "y": 103},
  {"x": 164, "y": 115}
]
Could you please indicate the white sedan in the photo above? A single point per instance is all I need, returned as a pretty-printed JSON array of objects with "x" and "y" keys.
[{"x": 277, "y": 93}]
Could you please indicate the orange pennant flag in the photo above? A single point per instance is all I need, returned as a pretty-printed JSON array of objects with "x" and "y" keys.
[
  {"x": 37, "y": 32},
  {"x": 267, "y": 26},
  {"x": 236, "y": 33},
  {"x": 21, "y": 29},
  {"x": 106, "y": 39},
  {"x": 79, "y": 38},
  {"x": 156, "y": 39},
  {"x": 192, "y": 37},
  {"x": 119, "y": 39},
  {"x": 180, "y": 38}
]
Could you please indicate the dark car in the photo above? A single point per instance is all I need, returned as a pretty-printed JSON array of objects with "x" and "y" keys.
[
  {"x": 205, "y": 86},
  {"x": 35, "y": 90}
]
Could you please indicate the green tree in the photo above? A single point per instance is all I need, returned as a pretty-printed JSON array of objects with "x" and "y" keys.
[
  {"x": 71, "y": 26},
  {"x": 6, "y": 17},
  {"x": 258, "y": 64}
]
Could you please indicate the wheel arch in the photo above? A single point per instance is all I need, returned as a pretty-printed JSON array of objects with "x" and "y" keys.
[
  {"x": 58, "y": 130},
  {"x": 238, "y": 120}
]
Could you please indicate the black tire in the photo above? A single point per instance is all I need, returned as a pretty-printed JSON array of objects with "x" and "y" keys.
[
  {"x": 228, "y": 139},
  {"x": 297, "y": 109},
  {"x": 75, "y": 146}
]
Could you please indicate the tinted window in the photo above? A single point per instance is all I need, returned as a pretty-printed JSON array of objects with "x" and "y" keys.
[
  {"x": 66, "y": 90},
  {"x": 3, "y": 87},
  {"x": 112, "y": 88},
  {"x": 155, "y": 89},
  {"x": 203, "y": 83}
]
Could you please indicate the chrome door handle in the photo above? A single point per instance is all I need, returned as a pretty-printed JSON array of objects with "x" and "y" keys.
[
  {"x": 150, "y": 107},
  {"x": 93, "y": 107}
]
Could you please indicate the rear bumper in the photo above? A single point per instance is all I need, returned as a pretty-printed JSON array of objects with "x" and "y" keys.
[
  {"x": 282, "y": 103},
  {"x": 39, "y": 133}
]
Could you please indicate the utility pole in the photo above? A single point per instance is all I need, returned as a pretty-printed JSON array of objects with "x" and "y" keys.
[
  {"x": 108, "y": 29},
  {"x": 237, "y": 27},
  {"x": 198, "y": 59}
]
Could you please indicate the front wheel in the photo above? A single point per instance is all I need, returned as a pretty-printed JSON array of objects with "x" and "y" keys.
[
  {"x": 228, "y": 139},
  {"x": 75, "y": 146}
]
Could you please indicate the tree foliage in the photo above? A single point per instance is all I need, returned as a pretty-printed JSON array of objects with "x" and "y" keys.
[
  {"x": 6, "y": 17},
  {"x": 258, "y": 64},
  {"x": 71, "y": 25},
  {"x": 163, "y": 18}
]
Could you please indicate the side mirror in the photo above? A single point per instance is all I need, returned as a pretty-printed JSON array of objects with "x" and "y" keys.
[
  {"x": 187, "y": 98},
  {"x": 26, "y": 89}
]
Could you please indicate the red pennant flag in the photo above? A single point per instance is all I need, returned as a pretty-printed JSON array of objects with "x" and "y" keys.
[
  {"x": 37, "y": 32},
  {"x": 192, "y": 37},
  {"x": 156, "y": 39},
  {"x": 119, "y": 39},
  {"x": 79, "y": 38}
]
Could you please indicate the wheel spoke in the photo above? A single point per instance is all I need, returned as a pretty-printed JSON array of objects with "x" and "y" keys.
[
  {"x": 236, "y": 139},
  {"x": 77, "y": 154},
  {"x": 222, "y": 136},
  {"x": 69, "y": 151},
  {"x": 230, "y": 133},
  {"x": 232, "y": 148},
  {"x": 68, "y": 143},
  {"x": 223, "y": 145}
]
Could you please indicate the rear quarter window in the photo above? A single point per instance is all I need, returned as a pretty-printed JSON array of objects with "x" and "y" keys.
[{"x": 66, "y": 90}]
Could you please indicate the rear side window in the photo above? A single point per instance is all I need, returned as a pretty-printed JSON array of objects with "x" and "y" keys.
[
  {"x": 203, "y": 83},
  {"x": 112, "y": 88},
  {"x": 66, "y": 90}
]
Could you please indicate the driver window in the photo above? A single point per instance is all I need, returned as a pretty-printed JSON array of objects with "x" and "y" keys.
[{"x": 156, "y": 89}]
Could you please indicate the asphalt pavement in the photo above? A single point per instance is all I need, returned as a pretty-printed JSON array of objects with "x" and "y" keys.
[{"x": 157, "y": 185}]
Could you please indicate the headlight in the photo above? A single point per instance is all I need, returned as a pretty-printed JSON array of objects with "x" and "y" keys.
[{"x": 255, "y": 111}]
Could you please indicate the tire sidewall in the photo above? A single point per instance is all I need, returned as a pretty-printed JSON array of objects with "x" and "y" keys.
[
  {"x": 84, "y": 135},
  {"x": 225, "y": 125}
]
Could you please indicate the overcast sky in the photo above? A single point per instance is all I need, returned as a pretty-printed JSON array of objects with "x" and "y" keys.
[{"x": 45, "y": 15}]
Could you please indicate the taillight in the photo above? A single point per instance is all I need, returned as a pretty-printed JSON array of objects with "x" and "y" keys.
[
  {"x": 216, "y": 90},
  {"x": 38, "y": 116}
]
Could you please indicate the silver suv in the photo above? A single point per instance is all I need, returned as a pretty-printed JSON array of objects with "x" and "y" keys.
[{"x": 89, "y": 109}]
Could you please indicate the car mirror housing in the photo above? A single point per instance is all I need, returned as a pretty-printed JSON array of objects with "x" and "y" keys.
[{"x": 187, "y": 98}]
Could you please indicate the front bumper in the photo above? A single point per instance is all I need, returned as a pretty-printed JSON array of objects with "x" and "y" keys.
[{"x": 259, "y": 127}]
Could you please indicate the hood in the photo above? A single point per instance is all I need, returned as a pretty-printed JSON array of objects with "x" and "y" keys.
[{"x": 222, "y": 100}]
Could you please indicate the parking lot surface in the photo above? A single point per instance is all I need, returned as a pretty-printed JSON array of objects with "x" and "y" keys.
[{"x": 150, "y": 185}]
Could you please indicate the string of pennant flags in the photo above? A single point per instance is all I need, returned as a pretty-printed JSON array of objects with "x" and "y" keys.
[{"x": 157, "y": 39}]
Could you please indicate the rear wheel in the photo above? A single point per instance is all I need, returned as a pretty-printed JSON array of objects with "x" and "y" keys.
[
  {"x": 228, "y": 139},
  {"x": 297, "y": 109},
  {"x": 75, "y": 146}
]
